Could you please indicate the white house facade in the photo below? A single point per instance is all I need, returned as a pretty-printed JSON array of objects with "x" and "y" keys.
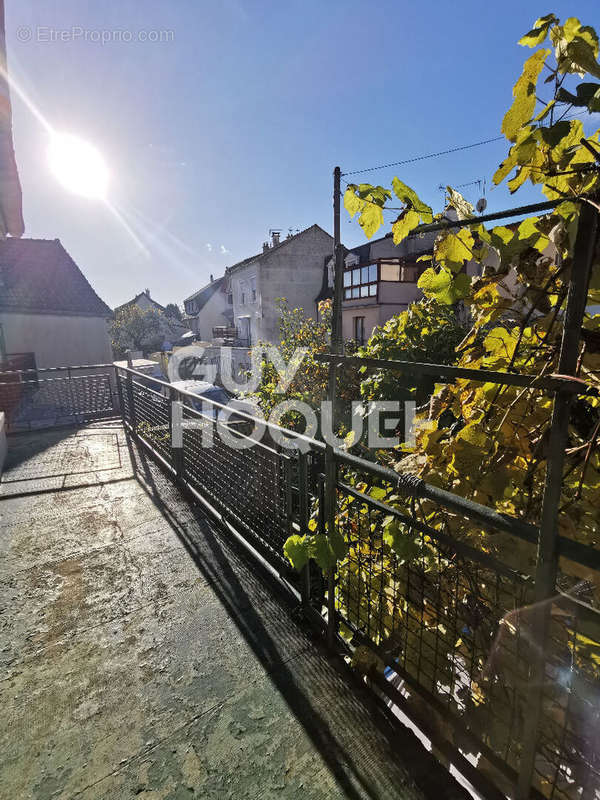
[{"x": 209, "y": 308}]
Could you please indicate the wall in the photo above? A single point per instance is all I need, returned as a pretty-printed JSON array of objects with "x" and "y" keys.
[
  {"x": 145, "y": 303},
  {"x": 251, "y": 309},
  {"x": 210, "y": 315},
  {"x": 374, "y": 315},
  {"x": 58, "y": 340},
  {"x": 3, "y": 445},
  {"x": 293, "y": 270}
]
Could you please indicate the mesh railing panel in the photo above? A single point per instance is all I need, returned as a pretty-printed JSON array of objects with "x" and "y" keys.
[
  {"x": 249, "y": 484},
  {"x": 568, "y": 757},
  {"x": 449, "y": 625},
  {"x": 56, "y": 400},
  {"x": 152, "y": 415}
]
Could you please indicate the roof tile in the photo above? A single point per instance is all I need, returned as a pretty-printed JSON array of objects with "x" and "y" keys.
[{"x": 38, "y": 275}]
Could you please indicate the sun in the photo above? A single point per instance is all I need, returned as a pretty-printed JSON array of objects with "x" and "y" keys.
[{"x": 78, "y": 165}]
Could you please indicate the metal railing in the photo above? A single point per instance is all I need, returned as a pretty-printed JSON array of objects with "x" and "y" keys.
[
  {"x": 53, "y": 396},
  {"x": 250, "y": 488},
  {"x": 454, "y": 626}
]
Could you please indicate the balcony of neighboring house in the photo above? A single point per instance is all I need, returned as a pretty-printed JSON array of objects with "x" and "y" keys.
[{"x": 376, "y": 291}]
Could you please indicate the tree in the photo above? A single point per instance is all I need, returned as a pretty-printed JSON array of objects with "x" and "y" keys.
[
  {"x": 310, "y": 381},
  {"x": 428, "y": 332},
  {"x": 135, "y": 329},
  {"x": 172, "y": 311}
]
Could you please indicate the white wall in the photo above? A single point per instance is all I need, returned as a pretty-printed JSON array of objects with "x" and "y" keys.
[
  {"x": 58, "y": 340},
  {"x": 211, "y": 315}
]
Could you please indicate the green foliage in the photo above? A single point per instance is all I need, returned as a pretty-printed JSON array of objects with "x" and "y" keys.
[
  {"x": 172, "y": 311},
  {"x": 135, "y": 329},
  {"x": 487, "y": 442},
  {"x": 426, "y": 332},
  {"x": 310, "y": 382},
  {"x": 326, "y": 551},
  {"x": 524, "y": 93}
]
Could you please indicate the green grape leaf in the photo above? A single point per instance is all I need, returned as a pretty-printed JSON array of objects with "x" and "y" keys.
[
  {"x": 371, "y": 219},
  {"x": 539, "y": 31},
  {"x": 407, "y": 195},
  {"x": 524, "y": 102},
  {"x": 352, "y": 203},
  {"x": 297, "y": 551},
  {"x": 453, "y": 249},
  {"x": 404, "y": 225},
  {"x": 444, "y": 287}
]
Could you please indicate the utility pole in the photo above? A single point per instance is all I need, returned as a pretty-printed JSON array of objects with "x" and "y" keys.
[
  {"x": 337, "y": 339},
  {"x": 337, "y": 346}
]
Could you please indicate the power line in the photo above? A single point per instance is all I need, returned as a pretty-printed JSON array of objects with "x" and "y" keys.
[
  {"x": 570, "y": 115},
  {"x": 422, "y": 158}
]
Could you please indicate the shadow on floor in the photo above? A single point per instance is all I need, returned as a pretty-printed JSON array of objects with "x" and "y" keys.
[{"x": 370, "y": 754}]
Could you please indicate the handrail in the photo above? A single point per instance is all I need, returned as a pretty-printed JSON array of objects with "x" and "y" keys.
[
  {"x": 313, "y": 443},
  {"x": 412, "y": 486},
  {"x": 550, "y": 382},
  {"x": 55, "y": 369}
]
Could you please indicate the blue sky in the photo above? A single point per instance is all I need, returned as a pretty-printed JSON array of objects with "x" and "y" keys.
[{"x": 234, "y": 125}]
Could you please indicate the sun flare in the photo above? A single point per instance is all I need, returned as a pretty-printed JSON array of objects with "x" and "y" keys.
[{"x": 78, "y": 166}]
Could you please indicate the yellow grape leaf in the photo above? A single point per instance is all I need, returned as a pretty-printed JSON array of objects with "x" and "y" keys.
[{"x": 524, "y": 102}]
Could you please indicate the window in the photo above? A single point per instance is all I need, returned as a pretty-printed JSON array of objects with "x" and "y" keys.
[
  {"x": 390, "y": 271},
  {"x": 396, "y": 271},
  {"x": 230, "y": 298},
  {"x": 253, "y": 288},
  {"x": 243, "y": 299},
  {"x": 360, "y": 282},
  {"x": 359, "y": 329}
]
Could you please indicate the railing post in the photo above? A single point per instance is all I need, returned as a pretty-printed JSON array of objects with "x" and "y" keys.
[
  {"x": 330, "y": 514},
  {"x": 176, "y": 432},
  {"x": 547, "y": 554},
  {"x": 120, "y": 393},
  {"x": 303, "y": 520},
  {"x": 130, "y": 392},
  {"x": 287, "y": 491}
]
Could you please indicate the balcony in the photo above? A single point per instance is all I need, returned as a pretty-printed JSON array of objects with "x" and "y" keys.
[{"x": 147, "y": 653}]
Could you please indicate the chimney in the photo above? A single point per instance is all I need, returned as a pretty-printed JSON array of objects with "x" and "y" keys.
[
  {"x": 265, "y": 247},
  {"x": 147, "y": 292},
  {"x": 211, "y": 279},
  {"x": 275, "y": 236}
]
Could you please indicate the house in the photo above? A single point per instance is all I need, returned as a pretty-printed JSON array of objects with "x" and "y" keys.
[
  {"x": 49, "y": 314},
  {"x": 171, "y": 330},
  {"x": 291, "y": 268},
  {"x": 380, "y": 281},
  {"x": 144, "y": 302},
  {"x": 208, "y": 308}
]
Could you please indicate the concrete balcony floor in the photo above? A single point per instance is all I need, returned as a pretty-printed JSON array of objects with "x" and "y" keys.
[{"x": 145, "y": 654}]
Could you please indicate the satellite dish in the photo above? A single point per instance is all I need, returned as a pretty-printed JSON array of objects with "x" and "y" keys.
[{"x": 481, "y": 205}]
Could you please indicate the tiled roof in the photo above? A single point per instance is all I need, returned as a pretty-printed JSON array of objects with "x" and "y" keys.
[
  {"x": 132, "y": 302},
  {"x": 268, "y": 252},
  {"x": 38, "y": 275},
  {"x": 202, "y": 296}
]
